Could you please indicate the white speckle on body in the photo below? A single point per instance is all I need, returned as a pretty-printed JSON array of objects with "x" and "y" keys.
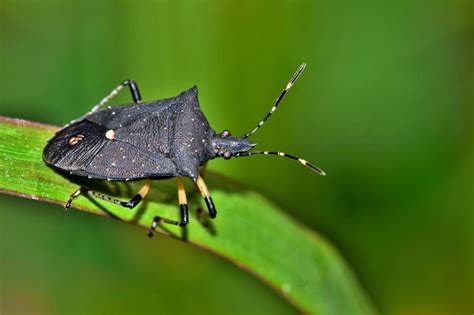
[{"x": 110, "y": 134}]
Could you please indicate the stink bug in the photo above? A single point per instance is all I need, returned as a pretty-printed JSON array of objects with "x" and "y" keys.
[{"x": 150, "y": 140}]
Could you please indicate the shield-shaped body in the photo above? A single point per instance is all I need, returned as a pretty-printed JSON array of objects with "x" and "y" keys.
[{"x": 157, "y": 139}]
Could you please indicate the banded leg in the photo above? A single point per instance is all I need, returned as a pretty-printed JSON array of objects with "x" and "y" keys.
[
  {"x": 127, "y": 204},
  {"x": 183, "y": 207},
  {"x": 133, "y": 90},
  {"x": 207, "y": 197}
]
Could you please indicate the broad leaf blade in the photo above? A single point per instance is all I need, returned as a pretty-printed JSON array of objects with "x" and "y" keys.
[{"x": 249, "y": 231}]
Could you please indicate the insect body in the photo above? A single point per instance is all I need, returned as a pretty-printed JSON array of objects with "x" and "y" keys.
[{"x": 150, "y": 140}]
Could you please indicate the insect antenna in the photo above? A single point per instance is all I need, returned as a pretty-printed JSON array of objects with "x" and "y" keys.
[
  {"x": 290, "y": 156},
  {"x": 278, "y": 100}
]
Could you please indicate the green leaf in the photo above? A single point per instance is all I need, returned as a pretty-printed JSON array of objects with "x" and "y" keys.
[{"x": 249, "y": 231}]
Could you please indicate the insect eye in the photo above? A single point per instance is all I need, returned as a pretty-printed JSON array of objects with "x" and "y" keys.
[
  {"x": 227, "y": 155},
  {"x": 225, "y": 133}
]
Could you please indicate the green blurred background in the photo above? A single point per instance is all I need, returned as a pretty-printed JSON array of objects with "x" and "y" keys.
[{"x": 384, "y": 106}]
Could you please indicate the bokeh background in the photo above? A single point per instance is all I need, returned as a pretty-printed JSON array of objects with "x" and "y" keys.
[{"x": 384, "y": 106}]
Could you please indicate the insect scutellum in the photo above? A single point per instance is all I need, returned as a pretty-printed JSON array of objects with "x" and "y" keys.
[{"x": 227, "y": 146}]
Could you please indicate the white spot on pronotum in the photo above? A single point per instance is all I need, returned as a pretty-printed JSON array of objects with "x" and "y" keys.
[
  {"x": 286, "y": 287},
  {"x": 110, "y": 134},
  {"x": 302, "y": 161}
]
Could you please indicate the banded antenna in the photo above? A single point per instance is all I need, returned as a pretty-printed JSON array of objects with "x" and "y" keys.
[
  {"x": 290, "y": 156},
  {"x": 278, "y": 100}
]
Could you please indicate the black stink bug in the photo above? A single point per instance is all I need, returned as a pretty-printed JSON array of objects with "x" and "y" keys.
[{"x": 150, "y": 140}]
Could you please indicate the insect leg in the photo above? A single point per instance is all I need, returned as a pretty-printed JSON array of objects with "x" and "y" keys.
[
  {"x": 127, "y": 204},
  {"x": 207, "y": 197},
  {"x": 133, "y": 90},
  {"x": 183, "y": 202},
  {"x": 183, "y": 207},
  {"x": 73, "y": 196}
]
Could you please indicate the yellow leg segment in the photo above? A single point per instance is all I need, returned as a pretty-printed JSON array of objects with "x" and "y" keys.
[
  {"x": 181, "y": 192},
  {"x": 144, "y": 190},
  {"x": 207, "y": 197},
  {"x": 183, "y": 207}
]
